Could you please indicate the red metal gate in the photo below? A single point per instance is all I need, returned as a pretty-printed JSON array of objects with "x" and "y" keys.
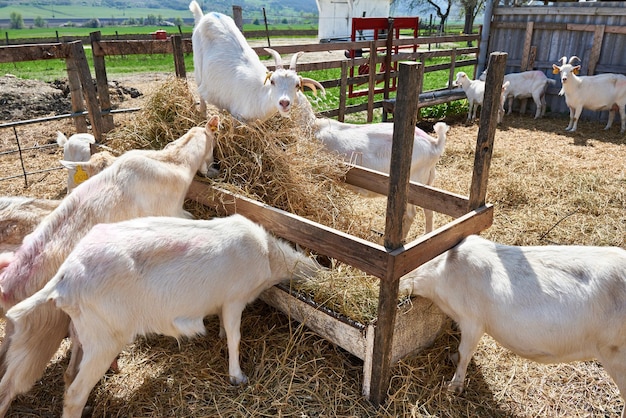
[{"x": 361, "y": 26}]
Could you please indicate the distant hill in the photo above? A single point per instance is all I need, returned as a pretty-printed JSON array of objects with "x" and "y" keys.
[{"x": 68, "y": 9}]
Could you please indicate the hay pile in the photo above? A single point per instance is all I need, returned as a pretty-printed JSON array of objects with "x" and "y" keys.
[{"x": 277, "y": 162}]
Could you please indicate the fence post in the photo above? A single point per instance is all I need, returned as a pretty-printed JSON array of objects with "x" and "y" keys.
[
  {"x": 371, "y": 81},
  {"x": 487, "y": 129},
  {"x": 101, "y": 81},
  {"x": 179, "y": 56},
  {"x": 77, "y": 53},
  {"x": 76, "y": 93},
  {"x": 342, "y": 91},
  {"x": 399, "y": 175},
  {"x": 238, "y": 17},
  {"x": 387, "y": 61}
]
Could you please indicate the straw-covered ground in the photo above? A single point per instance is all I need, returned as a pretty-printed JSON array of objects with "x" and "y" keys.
[{"x": 547, "y": 186}]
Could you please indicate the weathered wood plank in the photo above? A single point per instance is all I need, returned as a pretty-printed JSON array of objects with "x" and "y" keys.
[
  {"x": 347, "y": 336},
  {"x": 76, "y": 94},
  {"x": 179, "y": 57},
  {"x": 132, "y": 47},
  {"x": 102, "y": 82},
  {"x": 369, "y": 257},
  {"x": 553, "y": 10},
  {"x": 428, "y": 246},
  {"x": 34, "y": 52},
  {"x": 77, "y": 53},
  {"x": 527, "y": 42},
  {"x": 399, "y": 175},
  {"x": 592, "y": 28},
  {"x": 487, "y": 129},
  {"x": 427, "y": 197},
  {"x": 598, "y": 36}
]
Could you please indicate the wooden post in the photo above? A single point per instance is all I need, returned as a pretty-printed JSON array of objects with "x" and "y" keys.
[
  {"x": 371, "y": 82},
  {"x": 179, "y": 56},
  {"x": 387, "y": 61},
  {"x": 77, "y": 53},
  {"x": 527, "y": 41},
  {"x": 238, "y": 17},
  {"x": 399, "y": 175},
  {"x": 451, "y": 77},
  {"x": 343, "y": 83},
  {"x": 598, "y": 36},
  {"x": 101, "y": 81},
  {"x": 487, "y": 129},
  {"x": 76, "y": 94}
]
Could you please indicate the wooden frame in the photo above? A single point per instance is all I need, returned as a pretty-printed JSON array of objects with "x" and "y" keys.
[{"x": 386, "y": 342}]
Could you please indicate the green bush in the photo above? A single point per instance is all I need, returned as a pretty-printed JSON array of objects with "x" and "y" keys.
[{"x": 17, "y": 21}]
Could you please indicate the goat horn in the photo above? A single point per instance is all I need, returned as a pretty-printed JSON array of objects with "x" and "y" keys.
[
  {"x": 572, "y": 58},
  {"x": 277, "y": 59},
  {"x": 312, "y": 84},
  {"x": 563, "y": 61},
  {"x": 294, "y": 59}
]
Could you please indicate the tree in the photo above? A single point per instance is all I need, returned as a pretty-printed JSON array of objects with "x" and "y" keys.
[
  {"x": 17, "y": 22},
  {"x": 442, "y": 8},
  {"x": 39, "y": 22},
  {"x": 470, "y": 9}
]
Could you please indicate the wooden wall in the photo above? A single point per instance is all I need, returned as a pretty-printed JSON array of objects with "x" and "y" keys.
[{"x": 537, "y": 37}]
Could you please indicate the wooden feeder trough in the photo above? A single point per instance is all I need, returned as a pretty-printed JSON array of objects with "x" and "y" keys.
[{"x": 397, "y": 331}]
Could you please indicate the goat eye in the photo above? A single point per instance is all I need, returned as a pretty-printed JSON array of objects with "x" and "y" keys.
[{"x": 272, "y": 82}]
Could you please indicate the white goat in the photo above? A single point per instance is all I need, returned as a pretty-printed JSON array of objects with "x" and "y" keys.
[
  {"x": 549, "y": 304},
  {"x": 594, "y": 92},
  {"x": 474, "y": 90},
  {"x": 524, "y": 85},
  {"x": 163, "y": 275},
  {"x": 19, "y": 216},
  {"x": 75, "y": 148},
  {"x": 230, "y": 75},
  {"x": 139, "y": 183},
  {"x": 369, "y": 145}
]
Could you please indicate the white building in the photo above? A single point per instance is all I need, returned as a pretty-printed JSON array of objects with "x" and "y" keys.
[{"x": 335, "y": 16}]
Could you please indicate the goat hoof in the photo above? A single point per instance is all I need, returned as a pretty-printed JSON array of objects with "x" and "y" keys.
[
  {"x": 456, "y": 388},
  {"x": 239, "y": 380}
]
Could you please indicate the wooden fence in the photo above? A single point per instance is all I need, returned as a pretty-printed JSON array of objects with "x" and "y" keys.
[
  {"x": 537, "y": 37},
  {"x": 98, "y": 109},
  {"x": 467, "y": 56}
]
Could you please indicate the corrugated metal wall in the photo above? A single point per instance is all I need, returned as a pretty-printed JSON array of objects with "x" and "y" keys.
[{"x": 537, "y": 37}]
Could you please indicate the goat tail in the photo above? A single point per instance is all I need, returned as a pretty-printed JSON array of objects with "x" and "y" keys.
[
  {"x": 441, "y": 129},
  {"x": 24, "y": 308},
  {"x": 194, "y": 7},
  {"x": 61, "y": 138}
]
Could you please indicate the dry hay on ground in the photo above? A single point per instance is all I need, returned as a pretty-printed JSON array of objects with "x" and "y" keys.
[{"x": 547, "y": 186}]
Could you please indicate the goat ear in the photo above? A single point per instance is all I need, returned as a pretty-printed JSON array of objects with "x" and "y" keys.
[
  {"x": 576, "y": 69},
  {"x": 70, "y": 164},
  {"x": 312, "y": 84},
  {"x": 213, "y": 123},
  {"x": 555, "y": 69}
]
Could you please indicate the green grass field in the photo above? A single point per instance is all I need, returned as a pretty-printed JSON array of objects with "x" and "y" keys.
[{"x": 84, "y": 12}]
